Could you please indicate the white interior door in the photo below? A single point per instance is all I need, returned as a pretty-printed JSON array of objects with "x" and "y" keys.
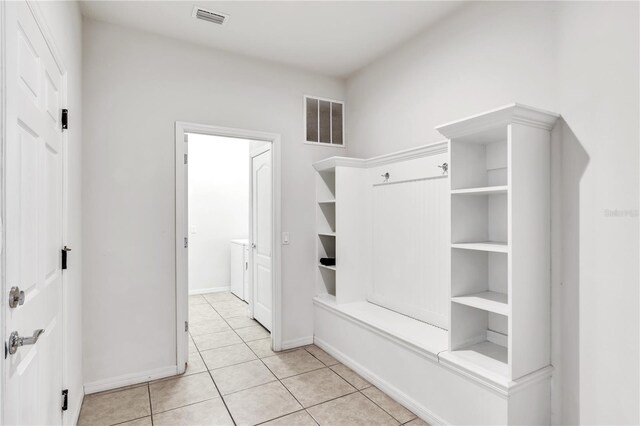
[
  {"x": 261, "y": 234},
  {"x": 33, "y": 221}
]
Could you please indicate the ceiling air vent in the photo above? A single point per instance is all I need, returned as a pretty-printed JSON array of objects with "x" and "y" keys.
[{"x": 207, "y": 15}]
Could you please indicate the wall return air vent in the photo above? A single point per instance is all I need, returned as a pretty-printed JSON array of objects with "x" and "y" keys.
[{"x": 210, "y": 16}]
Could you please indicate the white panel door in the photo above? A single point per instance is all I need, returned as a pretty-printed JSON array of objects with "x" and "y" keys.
[
  {"x": 261, "y": 227},
  {"x": 33, "y": 214},
  {"x": 411, "y": 250}
]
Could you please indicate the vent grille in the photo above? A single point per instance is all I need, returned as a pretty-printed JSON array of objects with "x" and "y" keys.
[{"x": 209, "y": 16}]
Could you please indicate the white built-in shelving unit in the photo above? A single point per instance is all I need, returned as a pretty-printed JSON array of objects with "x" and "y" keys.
[
  {"x": 500, "y": 242},
  {"x": 326, "y": 229}
]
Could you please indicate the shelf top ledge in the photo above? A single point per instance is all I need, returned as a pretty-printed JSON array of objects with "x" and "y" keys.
[
  {"x": 512, "y": 113},
  {"x": 329, "y": 164}
]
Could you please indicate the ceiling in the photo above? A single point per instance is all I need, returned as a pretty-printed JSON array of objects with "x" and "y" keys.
[{"x": 331, "y": 38}]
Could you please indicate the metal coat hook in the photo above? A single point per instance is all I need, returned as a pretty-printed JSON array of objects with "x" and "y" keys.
[
  {"x": 445, "y": 168},
  {"x": 386, "y": 177}
]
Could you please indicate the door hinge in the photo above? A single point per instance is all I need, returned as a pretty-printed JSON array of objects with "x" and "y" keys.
[
  {"x": 65, "y": 250},
  {"x": 185, "y": 159},
  {"x": 186, "y": 242},
  {"x": 65, "y": 399},
  {"x": 186, "y": 326},
  {"x": 65, "y": 119}
]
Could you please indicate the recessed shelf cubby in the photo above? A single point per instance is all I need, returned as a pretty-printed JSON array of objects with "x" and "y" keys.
[
  {"x": 481, "y": 336},
  {"x": 481, "y": 159}
]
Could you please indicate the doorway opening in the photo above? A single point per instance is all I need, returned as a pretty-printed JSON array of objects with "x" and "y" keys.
[{"x": 227, "y": 262}]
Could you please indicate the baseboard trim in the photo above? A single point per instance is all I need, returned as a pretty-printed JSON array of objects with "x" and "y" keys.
[
  {"x": 129, "y": 379},
  {"x": 399, "y": 396},
  {"x": 208, "y": 290},
  {"x": 296, "y": 343}
]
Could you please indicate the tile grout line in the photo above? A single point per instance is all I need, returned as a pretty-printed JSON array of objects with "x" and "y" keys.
[
  {"x": 263, "y": 363},
  {"x": 280, "y": 380},
  {"x": 379, "y": 406},
  {"x": 150, "y": 405},
  {"x": 209, "y": 371}
]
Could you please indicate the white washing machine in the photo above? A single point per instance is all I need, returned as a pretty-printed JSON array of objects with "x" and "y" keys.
[{"x": 239, "y": 268}]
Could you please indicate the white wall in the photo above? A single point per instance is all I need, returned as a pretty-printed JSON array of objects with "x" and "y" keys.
[
  {"x": 65, "y": 22},
  {"x": 218, "y": 206},
  {"x": 579, "y": 59},
  {"x": 136, "y": 85}
]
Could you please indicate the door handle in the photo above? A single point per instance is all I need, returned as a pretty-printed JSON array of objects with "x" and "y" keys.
[
  {"x": 15, "y": 341},
  {"x": 16, "y": 297}
]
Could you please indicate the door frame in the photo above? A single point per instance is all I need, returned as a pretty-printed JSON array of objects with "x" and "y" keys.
[
  {"x": 4, "y": 112},
  {"x": 181, "y": 229}
]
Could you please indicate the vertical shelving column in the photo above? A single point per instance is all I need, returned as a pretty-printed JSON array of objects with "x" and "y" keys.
[
  {"x": 326, "y": 229},
  {"x": 500, "y": 243}
]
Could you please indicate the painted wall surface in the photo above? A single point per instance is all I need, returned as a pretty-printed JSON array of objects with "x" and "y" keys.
[
  {"x": 136, "y": 85},
  {"x": 65, "y": 23},
  {"x": 218, "y": 206},
  {"x": 579, "y": 59}
]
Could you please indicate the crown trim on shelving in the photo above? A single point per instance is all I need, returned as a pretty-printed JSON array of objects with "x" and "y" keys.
[
  {"x": 408, "y": 154},
  {"x": 513, "y": 113}
]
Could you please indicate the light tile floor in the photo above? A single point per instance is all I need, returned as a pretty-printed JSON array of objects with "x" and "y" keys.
[{"x": 234, "y": 378}]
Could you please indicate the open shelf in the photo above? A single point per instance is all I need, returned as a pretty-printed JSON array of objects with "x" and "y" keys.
[
  {"x": 492, "y": 246},
  {"x": 331, "y": 268},
  {"x": 327, "y": 234},
  {"x": 488, "y": 356},
  {"x": 491, "y": 301},
  {"x": 485, "y": 190}
]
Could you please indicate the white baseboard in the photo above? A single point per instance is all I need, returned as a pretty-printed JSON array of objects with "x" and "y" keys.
[
  {"x": 208, "y": 290},
  {"x": 129, "y": 379},
  {"x": 396, "y": 394},
  {"x": 296, "y": 343}
]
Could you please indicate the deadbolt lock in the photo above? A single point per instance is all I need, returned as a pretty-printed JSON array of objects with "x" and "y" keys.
[{"x": 16, "y": 297}]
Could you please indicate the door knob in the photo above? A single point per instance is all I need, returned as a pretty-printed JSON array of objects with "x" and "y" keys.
[
  {"x": 16, "y": 297},
  {"x": 15, "y": 341}
]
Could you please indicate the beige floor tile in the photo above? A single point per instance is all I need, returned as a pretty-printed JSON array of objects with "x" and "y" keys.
[
  {"x": 174, "y": 393},
  {"x": 350, "y": 376},
  {"x": 262, "y": 403},
  {"x": 219, "y": 305},
  {"x": 227, "y": 355},
  {"x": 211, "y": 412},
  {"x": 200, "y": 313},
  {"x": 324, "y": 357},
  {"x": 208, "y": 326},
  {"x": 115, "y": 407},
  {"x": 292, "y": 363},
  {"x": 195, "y": 364},
  {"x": 216, "y": 340},
  {"x": 241, "y": 322},
  {"x": 417, "y": 422},
  {"x": 299, "y": 418},
  {"x": 192, "y": 346},
  {"x": 145, "y": 421},
  {"x": 232, "y": 313},
  {"x": 253, "y": 333},
  {"x": 201, "y": 309},
  {"x": 317, "y": 386},
  {"x": 352, "y": 410},
  {"x": 262, "y": 347},
  {"x": 197, "y": 299},
  {"x": 398, "y": 412},
  {"x": 241, "y": 376},
  {"x": 223, "y": 296}
]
